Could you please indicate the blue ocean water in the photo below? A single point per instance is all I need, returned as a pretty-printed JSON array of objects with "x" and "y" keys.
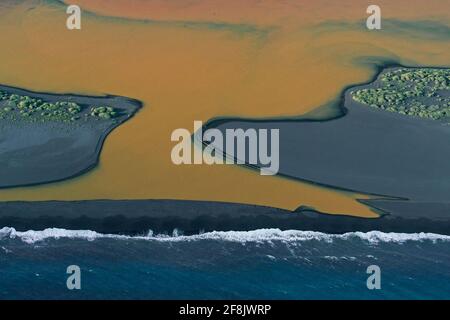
[{"x": 259, "y": 264}]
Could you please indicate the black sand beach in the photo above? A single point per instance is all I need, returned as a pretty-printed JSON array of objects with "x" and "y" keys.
[
  {"x": 41, "y": 152},
  {"x": 133, "y": 217}
]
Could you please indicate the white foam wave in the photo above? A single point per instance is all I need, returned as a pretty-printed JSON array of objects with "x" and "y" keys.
[{"x": 260, "y": 235}]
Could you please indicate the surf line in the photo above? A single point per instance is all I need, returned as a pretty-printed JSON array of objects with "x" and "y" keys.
[{"x": 237, "y": 146}]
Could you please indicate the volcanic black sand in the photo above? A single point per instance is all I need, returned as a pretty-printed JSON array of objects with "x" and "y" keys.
[
  {"x": 35, "y": 152},
  {"x": 191, "y": 217},
  {"x": 367, "y": 150}
]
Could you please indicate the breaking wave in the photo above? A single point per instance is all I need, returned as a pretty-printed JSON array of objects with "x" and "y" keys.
[{"x": 260, "y": 235}]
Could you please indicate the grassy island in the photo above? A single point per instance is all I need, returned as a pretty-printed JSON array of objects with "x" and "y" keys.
[
  {"x": 48, "y": 137},
  {"x": 419, "y": 92},
  {"x": 16, "y": 107}
]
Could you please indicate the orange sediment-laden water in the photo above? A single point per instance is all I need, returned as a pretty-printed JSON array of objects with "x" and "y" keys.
[{"x": 198, "y": 60}]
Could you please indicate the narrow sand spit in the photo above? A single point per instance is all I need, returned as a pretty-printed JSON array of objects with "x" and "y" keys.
[{"x": 36, "y": 152}]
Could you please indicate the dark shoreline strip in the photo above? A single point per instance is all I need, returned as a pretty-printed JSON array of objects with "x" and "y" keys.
[{"x": 133, "y": 217}]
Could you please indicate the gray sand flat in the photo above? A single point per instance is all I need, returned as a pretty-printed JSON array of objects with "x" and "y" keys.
[
  {"x": 35, "y": 153},
  {"x": 367, "y": 150},
  {"x": 408, "y": 209}
]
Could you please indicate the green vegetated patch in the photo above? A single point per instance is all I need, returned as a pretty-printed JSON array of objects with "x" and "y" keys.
[
  {"x": 419, "y": 92},
  {"x": 16, "y": 107}
]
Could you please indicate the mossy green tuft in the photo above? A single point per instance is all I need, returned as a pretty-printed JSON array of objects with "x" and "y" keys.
[{"x": 419, "y": 92}]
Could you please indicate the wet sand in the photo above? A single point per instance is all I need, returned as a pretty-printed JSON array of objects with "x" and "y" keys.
[
  {"x": 34, "y": 153},
  {"x": 191, "y": 217},
  {"x": 365, "y": 150}
]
